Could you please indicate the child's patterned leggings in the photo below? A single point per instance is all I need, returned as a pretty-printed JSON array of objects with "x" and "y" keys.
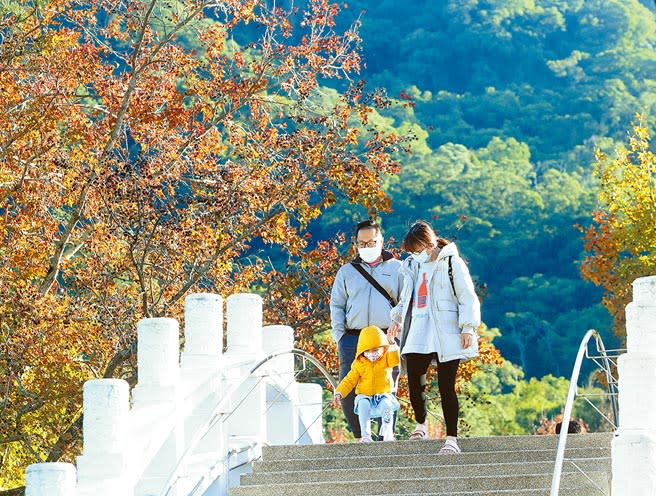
[{"x": 386, "y": 406}]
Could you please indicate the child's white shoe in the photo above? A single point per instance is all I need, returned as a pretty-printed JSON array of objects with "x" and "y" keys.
[{"x": 365, "y": 439}]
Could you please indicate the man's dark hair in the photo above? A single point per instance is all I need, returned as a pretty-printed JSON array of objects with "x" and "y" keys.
[
  {"x": 367, "y": 224},
  {"x": 573, "y": 428}
]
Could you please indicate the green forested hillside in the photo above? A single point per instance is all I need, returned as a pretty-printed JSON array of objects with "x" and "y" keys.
[{"x": 511, "y": 99}]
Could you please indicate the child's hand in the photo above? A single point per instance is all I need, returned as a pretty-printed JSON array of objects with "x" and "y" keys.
[
  {"x": 336, "y": 400},
  {"x": 393, "y": 330}
]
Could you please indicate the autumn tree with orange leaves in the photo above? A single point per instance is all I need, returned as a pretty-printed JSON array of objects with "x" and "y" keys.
[
  {"x": 622, "y": 239},
  {"x": 142, "y": 153}
]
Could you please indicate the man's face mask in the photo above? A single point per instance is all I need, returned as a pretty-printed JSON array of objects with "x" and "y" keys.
[
  {"x": 371, "y": 250},
  {"x": 373, "y": 355},
  {"x": 369, "y": 255}
]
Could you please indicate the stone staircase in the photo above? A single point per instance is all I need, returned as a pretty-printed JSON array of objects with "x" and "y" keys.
[{"x": 513, "y": 465}]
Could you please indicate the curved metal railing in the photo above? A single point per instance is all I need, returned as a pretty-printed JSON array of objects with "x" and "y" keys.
[
  {"x": 604, "y": 362},
  {"x": 218, "y": 416}
]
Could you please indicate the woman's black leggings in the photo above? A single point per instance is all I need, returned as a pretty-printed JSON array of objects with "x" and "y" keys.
[{"x": 417, "y": 366}]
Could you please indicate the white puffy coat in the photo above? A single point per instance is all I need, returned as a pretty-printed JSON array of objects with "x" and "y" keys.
[{"x": 453, "y": 314}]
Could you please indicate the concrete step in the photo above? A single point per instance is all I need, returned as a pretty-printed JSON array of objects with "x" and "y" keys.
[
  {"x": 427, "y": 459},
  {"x": 419, "y": 471},
  {"x": 584, "y": 491},
  {"x": 494, "y": 443},
  {"x": 571, "y": 484}
]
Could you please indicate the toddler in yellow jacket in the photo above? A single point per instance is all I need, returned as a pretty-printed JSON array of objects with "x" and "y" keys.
[{"x": 371, "y": 376}]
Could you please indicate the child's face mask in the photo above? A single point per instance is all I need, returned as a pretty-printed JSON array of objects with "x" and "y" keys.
[{"x": 373, "y": 355}]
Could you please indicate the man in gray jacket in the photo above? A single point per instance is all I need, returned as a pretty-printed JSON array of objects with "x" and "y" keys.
[{"x": 355, "y": 303}]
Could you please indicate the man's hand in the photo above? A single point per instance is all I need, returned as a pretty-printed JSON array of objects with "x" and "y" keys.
[
  {"x": 466, "y": 340},
  {"x": 337, "y": 400}
]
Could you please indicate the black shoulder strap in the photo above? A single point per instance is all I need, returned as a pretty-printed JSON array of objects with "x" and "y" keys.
[
  {"x": 453, "y": 286},
  {"x": 374, "y": 283}
]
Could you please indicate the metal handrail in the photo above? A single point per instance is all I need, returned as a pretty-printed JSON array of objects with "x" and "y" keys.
[
  {"x": 218, "y": 416},
  {"x": 569, "y": 404}
]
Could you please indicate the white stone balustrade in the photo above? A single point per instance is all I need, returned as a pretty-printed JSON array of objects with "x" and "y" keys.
[
  {"x": 203, "y": 347},
  {"x": 158, "y": 361},
  {"x": 133, "y": 452},
  {"x": 634, "y": 448},
  {"x": 282, "y": 417},
  {"x": 244, "y": 312},
  {"x": 50, "y": 479},
  {"x": 309, "y": 408},
  {"x": 103, "y": 466},
  {"x": 244, "y": 324}
]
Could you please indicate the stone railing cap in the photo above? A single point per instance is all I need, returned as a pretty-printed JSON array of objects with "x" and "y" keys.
[{"x": 644, "y": 290}]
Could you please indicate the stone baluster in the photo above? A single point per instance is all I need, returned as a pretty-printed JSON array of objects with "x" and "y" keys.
[
  {"x": 103, "y": 468},
  {"x": 158, "y": 360},
  {"x": 203, "y": 332},
  {"x": 310, "y": 408},
  {"x": 201, "y": 361},
  {"x": 634, "y": 447},
  {"x": 282, "y": 418},
  {"x": 50, "y": 479},
  {"x": 244, "y": 312},
  {"x": 244, "y": 324},
  {"x": 158, "y": 395}
]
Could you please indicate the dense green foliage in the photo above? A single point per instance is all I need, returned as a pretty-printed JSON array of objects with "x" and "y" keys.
[{"x": 511, "y": 98}]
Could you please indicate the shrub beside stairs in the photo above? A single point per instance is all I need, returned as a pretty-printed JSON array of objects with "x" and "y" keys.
[{"x": 513, "y": 465}]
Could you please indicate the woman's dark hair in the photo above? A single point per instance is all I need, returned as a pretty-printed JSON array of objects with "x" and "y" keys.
[{"x": 421, "y": 235}]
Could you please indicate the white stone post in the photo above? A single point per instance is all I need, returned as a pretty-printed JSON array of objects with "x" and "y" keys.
[
  {"x": 203, "y": 332},
  {"x": 634, "y": 447},
  {"x": 158, "y": 360},
  {"x": 275, "y": 339},
  {"x": 310, "y": 410},
  {"x": 158, "y": 390},
  {"x": 102, "y": 468},
  {"x": 244, "y": 324},
  {"x": 282, "y": 420},
  {"x": 50, "y": 479},
  {"x": 201, "y": 364},
  {"x": 245, "y": 347}
]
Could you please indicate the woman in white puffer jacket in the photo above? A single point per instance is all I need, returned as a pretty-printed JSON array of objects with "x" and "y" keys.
[{"x": 438, "y": 315}]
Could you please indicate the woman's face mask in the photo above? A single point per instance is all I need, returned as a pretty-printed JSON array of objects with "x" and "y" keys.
[
  {"x": 373, "y": 355},
  {"x": 421, "y": 257}
]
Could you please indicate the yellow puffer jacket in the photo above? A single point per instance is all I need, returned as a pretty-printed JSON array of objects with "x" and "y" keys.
[{"x": 371, "y": 377}]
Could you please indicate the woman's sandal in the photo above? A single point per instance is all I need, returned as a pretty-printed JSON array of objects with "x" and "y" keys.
[
  {"x": 418, "y": 434},
  {"x": 449, "y": 448}
]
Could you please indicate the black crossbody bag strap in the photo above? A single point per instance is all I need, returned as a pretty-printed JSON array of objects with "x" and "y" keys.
[
  {"x": 374, "y": 283},
  {"x": 453, "y": 286}
]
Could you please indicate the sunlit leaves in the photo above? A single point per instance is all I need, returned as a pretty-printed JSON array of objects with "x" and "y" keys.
[
  {"x": 622, "y": 239},
  {"x": 144, "y": 153}
]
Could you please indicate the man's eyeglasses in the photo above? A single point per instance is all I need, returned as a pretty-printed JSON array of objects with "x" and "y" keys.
[{"x": 366, "y": 244}]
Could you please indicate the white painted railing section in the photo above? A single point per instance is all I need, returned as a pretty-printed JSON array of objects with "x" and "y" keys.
[
  {"x": 104, "y": 463},
  {"x": 164, "y": 434},
  {"x": 50, "y": 479},
  {"x": 634, "y": 448}
]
